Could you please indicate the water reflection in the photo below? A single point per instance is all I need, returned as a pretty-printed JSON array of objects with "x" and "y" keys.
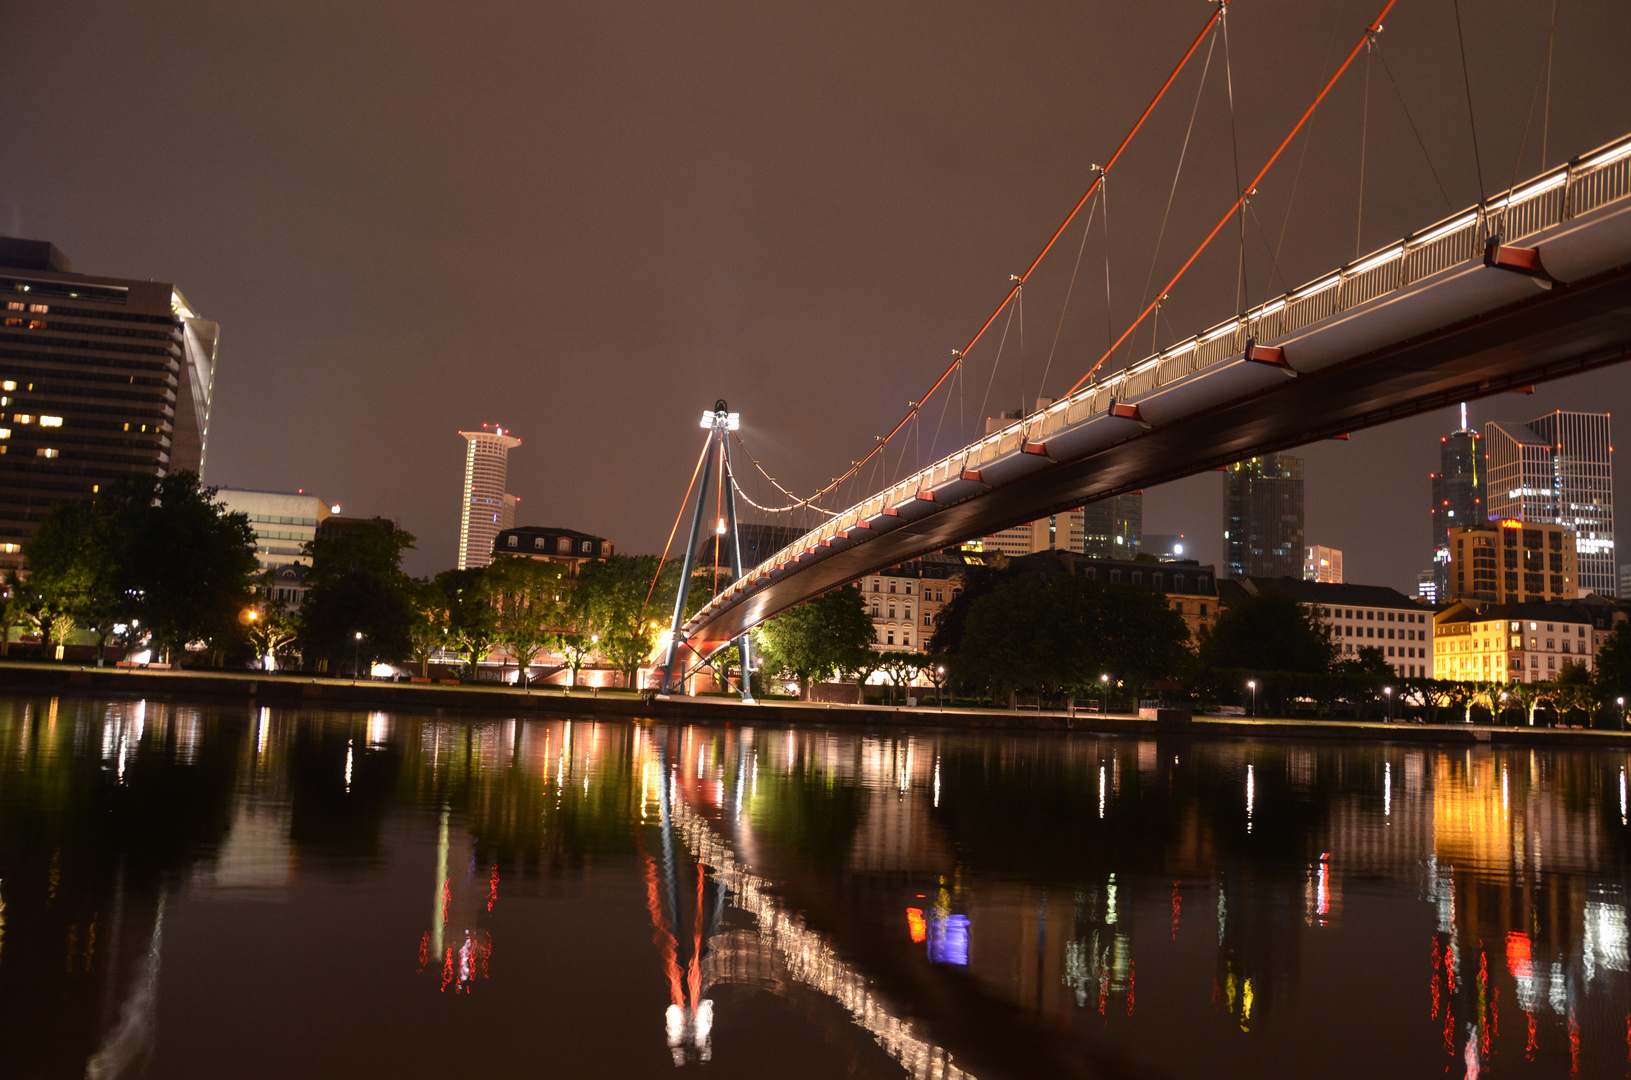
[{"x": 893, "y": 903}]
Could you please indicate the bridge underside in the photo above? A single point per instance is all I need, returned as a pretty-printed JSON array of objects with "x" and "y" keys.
[{"x": 1562, "y": 331}]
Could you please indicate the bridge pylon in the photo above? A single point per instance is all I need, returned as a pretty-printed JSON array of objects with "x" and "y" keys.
[{"x": 718, "y": 422}]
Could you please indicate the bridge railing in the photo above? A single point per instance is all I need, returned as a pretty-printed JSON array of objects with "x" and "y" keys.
[{"x": 1591, "y": 181}]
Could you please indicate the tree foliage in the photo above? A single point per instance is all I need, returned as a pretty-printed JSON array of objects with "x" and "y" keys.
[
  {"x": 819, "y": 638},
  {"x": 356, "y": 585},
  {"x": 1268, "y": 631},
  {"x": 609, "y": 602},
  {"x": 472, "y": 621},
  {"x": 527, "y": 603}
]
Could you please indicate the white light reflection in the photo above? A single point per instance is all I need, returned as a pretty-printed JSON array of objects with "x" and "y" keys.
[
  {"x": 1101, "y": 791},
  {"x": 1387, "y": 789},
  {"x": 937, "y": 783},
  {"x": 1251, "y": 789},
  {"x": 349, "y": 751},
  {"x": 1622, "y": 794},
  {"x": 262, "y": 726}
]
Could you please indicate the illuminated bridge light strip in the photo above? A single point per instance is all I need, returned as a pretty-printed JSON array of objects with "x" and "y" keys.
[
  {"x": 810, "y": 958},
  {"x": 1592, "y": 182}
]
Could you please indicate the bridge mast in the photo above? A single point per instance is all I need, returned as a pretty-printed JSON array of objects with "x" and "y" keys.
[{"x": 718, "y": 422}]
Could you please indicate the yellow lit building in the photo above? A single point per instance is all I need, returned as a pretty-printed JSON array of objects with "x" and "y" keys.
[
  {"x": 1512, "y": 642},
  {"x": 1511, "y": 562}
]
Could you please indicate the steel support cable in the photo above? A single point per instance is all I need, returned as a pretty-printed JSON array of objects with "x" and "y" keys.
[
  {"x": 1546, "y": 112},
  {"x": 1177, "y": 173},
  {"x": 1364, "y": 140},
  {"x": 797, "y": 502},
  {"x": 1234, "y": 149},
  {"x": 1529, "y": 118},
  {"x": 1120, "y": 149},
  {"x": 1398, "y": 93},
  {"x": 671, "y": 532},
  {"x": 1001, "y": 344},
  {"x": 1302, "y": 155},
  {"x": 1064, "y": 308},
  {"x": 1375, "y": 25},
  {"x": 1466, "y": 83}
]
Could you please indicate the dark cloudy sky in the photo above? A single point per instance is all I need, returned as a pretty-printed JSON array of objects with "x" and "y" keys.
[{"x": 588, "y": 221}]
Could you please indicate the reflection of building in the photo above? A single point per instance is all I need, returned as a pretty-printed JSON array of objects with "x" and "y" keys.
[
  {"x": 99, "y": 378},
  {"x": 1458, "y": 495},
  {"x": 1510, "y": 561},
  {"x": 486, "y": 510},
  {"x": 1365, "y": 617},
  {"x": 565, "y": 547},
  {"x": 284, "y": 522},
  {"x": 1558, "y": 469},
  {"x": 1263, "y": 517}
]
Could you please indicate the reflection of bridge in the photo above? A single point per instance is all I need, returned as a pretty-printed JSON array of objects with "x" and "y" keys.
[{"x": 1529, "y": 286}]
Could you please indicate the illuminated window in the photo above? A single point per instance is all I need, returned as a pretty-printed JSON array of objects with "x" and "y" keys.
[
  {"x": 50, "y": 421},
  {"x": 11, "y": 549},
  {"x": 514, "y": 541},
  {"x": 36, "y": 324},
  {"x": 39, "y": 309},
  {"x": 5, "y": 433},
  {"x": 45, "y": 451},
  {"x": 564, "y": 546},
  {"x": 14, "y": 322},
  {"x": 23, "y": 418},
  {"x": 15, "y": 305}
]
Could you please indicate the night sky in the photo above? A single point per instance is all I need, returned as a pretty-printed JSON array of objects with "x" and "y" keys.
[{"x": 586, "y": 222}]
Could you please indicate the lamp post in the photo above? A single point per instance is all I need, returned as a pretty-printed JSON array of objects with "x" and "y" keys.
[
  {"x": 1104, "y": 694},
  {"x": 939, "y": 680},
  {"x": 1252, "y": 684},
  {"x": 1622, "y": 710},
  {"x": 1388, "y": 690},
  {"x": 356, "y": 657}
]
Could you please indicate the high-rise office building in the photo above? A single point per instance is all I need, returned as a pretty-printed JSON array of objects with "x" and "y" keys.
[
  {"x": 1113, "y": 528},
  {"x": 100, "y": 378},
  {"x": 1321, "y": 563},
  {"x": 1458, "y": 494},
  {"x": 1511, "y": 561},
  {"x": 487, "y": 509},
  {"x": 1558, "y": 469},
  {"x": 1263, "y": 517},
  {"x": 284, "y": 522}
]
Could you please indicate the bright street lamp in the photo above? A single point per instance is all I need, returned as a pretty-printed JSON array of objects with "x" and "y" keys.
[
  {"x": 1388, "y": 690},
  {"x": 1252, "y": 683},
  {"x": 1104, "y": 694},
  {"x": 356, "y": 656}
]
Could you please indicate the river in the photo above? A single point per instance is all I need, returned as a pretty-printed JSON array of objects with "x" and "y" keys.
[{"x": 199, "y": 890}]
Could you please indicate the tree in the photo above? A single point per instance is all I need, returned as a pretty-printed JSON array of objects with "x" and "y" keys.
[
  {"x": 472, "y": 621},
  {"x": 185, "y": 564},
  {"x": 575, "y": 649},
  {"x": 1268, "y": 631},
  {"x": 267, "y": 625},
  {"x": 356, "y": 585},
  {"x": 609, "y": 601},
  {"x": 11, "y": 609},
  {"x": 527, "y": 607},
  {"x": 1529, "y": 696},
  {"x": 1614, "y": 663},
  {"x": 427, "y": 629},
  {"x": 903, "y": 667},
  {"x": 72, "y": 573},
  {"x": 1574, "y": 690},
  {"x": 818, "y": 638}
]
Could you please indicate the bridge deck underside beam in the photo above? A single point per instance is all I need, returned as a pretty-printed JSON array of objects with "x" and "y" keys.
[{"x": 1564, "y": 331}]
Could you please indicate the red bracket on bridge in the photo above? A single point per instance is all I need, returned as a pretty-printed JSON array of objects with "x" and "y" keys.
[
  {"x": 890, "y": 511},
  {"x": 1127, "y": 412},
  {"x": 972, "y": 476},
  {"x": 1038, "y": 448},
  {"x": 1516, "y": 259},
  {"x": 1270, "y": 355},
  {"x": 924, "y": 496}
]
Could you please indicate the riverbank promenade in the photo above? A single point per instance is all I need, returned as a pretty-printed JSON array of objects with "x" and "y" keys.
[{"x": 297, "y": 689}]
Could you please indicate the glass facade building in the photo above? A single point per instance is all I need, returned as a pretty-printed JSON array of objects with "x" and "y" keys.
[
  {"x": 487, "y": 510},
  {"x": 1458, "y": 495},
  {"x": 1263, "y": 517},
  {"x": 1558, "y": 469}
]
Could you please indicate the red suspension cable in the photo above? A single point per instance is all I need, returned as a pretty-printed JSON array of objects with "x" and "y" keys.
[
  {"x": 1372, "y": 29},
  {"x": 1020, "y": 282},
  {"x": 664, "y": 557}
]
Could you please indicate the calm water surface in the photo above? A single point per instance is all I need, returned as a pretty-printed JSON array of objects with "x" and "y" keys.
[{"x": 207, "y": 891}]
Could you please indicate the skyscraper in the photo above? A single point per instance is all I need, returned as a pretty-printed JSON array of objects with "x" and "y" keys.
[
  {"x": 1458, "y": 495},
  {"x": 1263, "y": 517},
  {"x": 1558, "y": 469},
  {"x": 1113, "y": 528},
  {"x": 100, "y": 378},
  {"x": 487, "y": 510},
  {"x": 1321, "y": 563}
]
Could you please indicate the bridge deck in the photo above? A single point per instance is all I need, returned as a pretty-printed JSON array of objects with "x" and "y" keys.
[{"x": 1418, "y": 325}]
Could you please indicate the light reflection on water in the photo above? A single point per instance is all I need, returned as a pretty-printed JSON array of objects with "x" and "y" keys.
[{"x": 391, "y": 894}]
